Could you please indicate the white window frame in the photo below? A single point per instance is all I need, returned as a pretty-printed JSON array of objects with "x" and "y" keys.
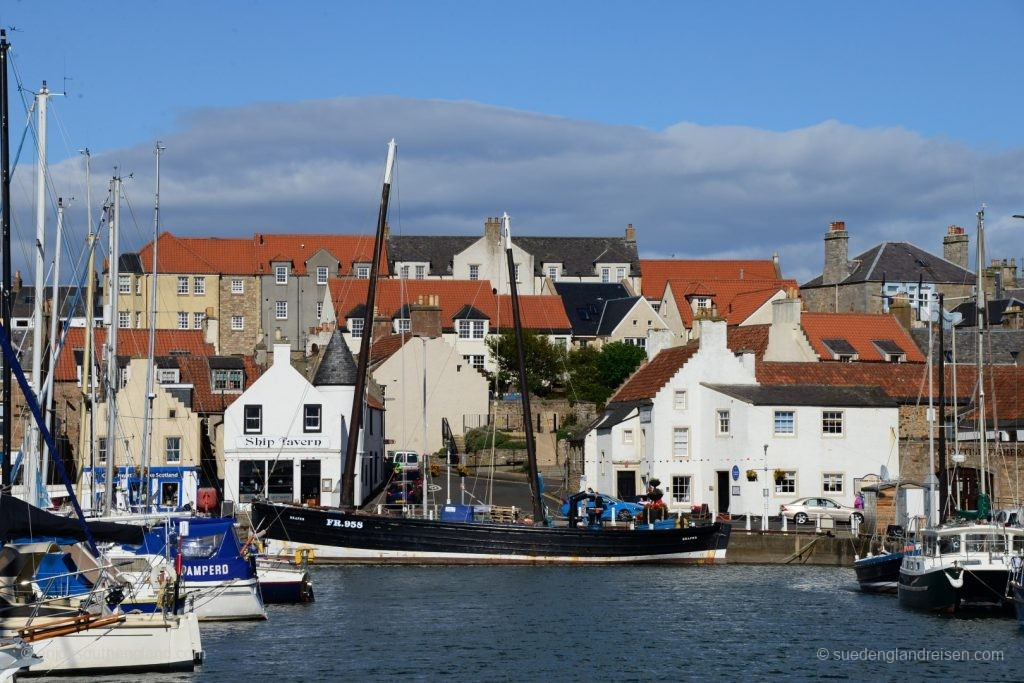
[
  {"x": 403, "y": 272},
  {"x": 620, "y": 273},
  {"x": 172, "y": 449},
  {"x": 124, "y": 284},
  {"x": 321, "y": 275},
  {"x": 138, "y": 320},
  {"x": 356, "y": 327},
  {"x": 627, "y": 437},
  {"x": 138, "y": 285},
  {"x": 792, "y": 423},
  {"x": 237, "y": 322},
  {"x": 723, "y": 422},
  {"x": 606, "y": 275},
  {"x": 197, "y": 320},
  {"x": 182, "y": 285},
  {"x": 833, "y": 423},
  {"x": 553, "y": 272},
  {"x": 681, "y": 489},
  {"x": 788, "y": 485},
  {"x": 281, "y": 275},
  {"x": 101, "y": 455},
  {"x": 474, "y": 271},
  {"x": 832, "y": 483},
  {"x": 477, "y": 361},
  {"x": 363, "y": 272},
  {"x": 681, "y": 446},
  {"x": 124, "y": 319},
  {"x": 237, "y": 286},
  {"x": 199, "y": 285},
  {"x": 319, "y": 310},
  {"x": 281, "y": 309},
  {"x": 421, "y": 272},
  {"x": 403, "y": 325},
  {"x": 679, "y": 399},
  {"x": 182, "y": 320}
]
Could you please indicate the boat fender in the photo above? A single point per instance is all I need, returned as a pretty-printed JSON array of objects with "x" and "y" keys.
[
  {"x": 304, "y": 551},
  {"x": 957, "y": 582}
]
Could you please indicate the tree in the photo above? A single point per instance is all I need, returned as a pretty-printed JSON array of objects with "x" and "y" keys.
[
  {"x": 545, "y": 362},
  {"x": 595, "y": 374}
]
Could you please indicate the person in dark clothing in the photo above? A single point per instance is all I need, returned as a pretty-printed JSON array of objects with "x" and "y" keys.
[{"x": 598, "y": 509}]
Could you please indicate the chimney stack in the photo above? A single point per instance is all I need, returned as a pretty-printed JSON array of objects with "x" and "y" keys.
[
  {"x": 492, "y": 230},
  {"x": 630, "y": 233},
  {"x": 381, "y": 325},
  {"x": 955, "y": 246},
  {"x": 425, "y": 316},
  {"x": 837, "y": 264}
]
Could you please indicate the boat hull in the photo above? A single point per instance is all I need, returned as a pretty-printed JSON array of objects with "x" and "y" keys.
[
  {"x": 880, "y": 573},
  {"x": 281, "y": 584},
  {"x": 1017, "y": 592},
  {"x": 949, "y": 589},
  {"x": 230, "y": 600},
  {"x": 141, "y": 643},
  {"x": 341, "y": 537}
]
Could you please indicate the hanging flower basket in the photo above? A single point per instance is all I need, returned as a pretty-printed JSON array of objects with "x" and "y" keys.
[
  {"x": 751, "y": 475},
  {"x": 463, "y": 471},
  {"x": 780, "y": 475}
]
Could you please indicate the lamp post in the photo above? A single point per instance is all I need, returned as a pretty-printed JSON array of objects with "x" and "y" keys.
[{"x": 764, "y": 519}]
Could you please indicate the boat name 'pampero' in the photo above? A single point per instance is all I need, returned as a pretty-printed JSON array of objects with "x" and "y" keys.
[
  {"x": 206, "y": 570},
  {"x": 275, "y": 442}
]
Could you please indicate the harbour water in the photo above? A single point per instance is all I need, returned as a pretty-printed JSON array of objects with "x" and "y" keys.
[{"x": 733, "y": 622}]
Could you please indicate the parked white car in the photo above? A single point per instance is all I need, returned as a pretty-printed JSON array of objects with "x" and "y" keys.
[{"x": 803, "y": 510}]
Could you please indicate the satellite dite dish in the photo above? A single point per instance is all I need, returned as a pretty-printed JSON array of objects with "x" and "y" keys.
[
  {"x": 959, "y": 458},
  {"x": 884, "y": 473}
]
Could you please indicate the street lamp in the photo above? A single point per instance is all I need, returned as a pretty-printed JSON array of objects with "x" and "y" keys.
[{"x": 764, "y": 519}]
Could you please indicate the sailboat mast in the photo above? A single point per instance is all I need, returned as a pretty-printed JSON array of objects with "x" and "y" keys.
[
  {"x": 982, "y": 315},
  {"x": 147, "y": 432},
  {"x": 34, "y": 451},
  {"x": 943, "y": 478},
  {"x": 112, "y": 369},
  {"x": 5, "y": 227},
  {"x": 931, "y": 511},
  {"x": 47, "y": 395},
  {"x": 524, "y": 388},
  {"x": 358, "y": 396}
]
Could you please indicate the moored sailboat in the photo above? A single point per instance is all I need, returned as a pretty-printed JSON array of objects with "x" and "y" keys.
[{"x": 349, "y": 535}]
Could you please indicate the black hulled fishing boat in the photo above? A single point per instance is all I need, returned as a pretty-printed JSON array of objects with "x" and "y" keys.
[{"x": 350, "y": 535}]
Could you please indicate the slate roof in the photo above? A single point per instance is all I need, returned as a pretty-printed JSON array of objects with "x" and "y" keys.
[
  {"x": 649, "y": 379},
  {"x": 439, "y": 252},
  {"x": 861, "y": 331},
  {"x": 657, "y": 272},
  {"x": 614, "y": 311},
  {"x": 995, "y": 308},
  {"x": 614, "y": 414},
  {"x": 901, "y": 262},
  {"x": 337, "y": 366},
  {"x": 807, "y": 395},
  {"x": 584, "y": 301},
  {"x": 24, "y": 302},
  {"x": 130, "y": 263},
  {"x": 1002, "y": 346}
]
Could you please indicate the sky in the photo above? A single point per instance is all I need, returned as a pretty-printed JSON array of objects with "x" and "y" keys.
[{"x": 733, "y": 129}]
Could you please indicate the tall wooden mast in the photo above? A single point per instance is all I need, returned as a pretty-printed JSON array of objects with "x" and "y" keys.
[
  {"x": 359, "y": 395},
  {"x": 5, "y": 303}
]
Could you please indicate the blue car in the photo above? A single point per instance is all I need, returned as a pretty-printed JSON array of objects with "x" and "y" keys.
[{"x": 613, "y": 509}]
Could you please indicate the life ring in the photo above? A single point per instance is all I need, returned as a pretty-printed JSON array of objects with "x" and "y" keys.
[{"x": 304, "y": 550}]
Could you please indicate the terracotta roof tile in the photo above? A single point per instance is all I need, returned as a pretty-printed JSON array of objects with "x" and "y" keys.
[
  {"x": 227, "y": 256},
  {"x": 748, "y": 338},
  {"x": 861, "y": 330},
  {"x": 297, "y": 248},
  {"x": 657, "y": 272},
  {"x": 131, "y": 343},
  {"x": 734, "y": 300},
  {"x": 648, "y": 380},
  {"x": 195, "y": 370},
  {"x": 540, "y": 312}
]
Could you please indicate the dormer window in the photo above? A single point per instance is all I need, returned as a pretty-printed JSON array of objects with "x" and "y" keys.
[
  {"x": 553, "y": 271},
  {"x": 840, "y": 350},
  {"x": 281, "y": 275},
  {"x": 891, "y": 351},
  {"x": 227, "y": 380},
  {"x": 403, "y": 325},
  {"x": 362, "y": 270},
  {"x": 167, "y": 375},
  {"x": 321, "y": 275},
  {"x": 471, "y": 329},
  {"x": 356, "y": 326},
  {"x": 606, "y": 275}
]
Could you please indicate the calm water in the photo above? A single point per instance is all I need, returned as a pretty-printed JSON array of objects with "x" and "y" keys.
[{"x": 597, "y": 623}]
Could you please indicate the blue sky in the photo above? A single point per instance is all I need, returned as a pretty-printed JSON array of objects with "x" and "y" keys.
[{"x": 754, "y": 122}]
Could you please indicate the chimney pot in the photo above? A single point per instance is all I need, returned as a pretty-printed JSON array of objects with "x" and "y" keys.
[{"x": 836, "y": 226}]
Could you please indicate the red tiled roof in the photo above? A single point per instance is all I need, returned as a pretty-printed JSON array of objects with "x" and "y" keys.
[
  {"x": 385, "y": 347},
  {"x": 227, "y": 256},
  {"x": 860, "y": 330},
  {"x": 657, "y": 272},
  {"x": 648, "y": 380},
  {"x": 748, "y": 338},
  {"x": 131, "y": 343},
  {"x": 195, "y": 370},
  {"x": 734, "y": 300},
  {"x": 298, "y": 248},
  {"x": 539, "y": 312}
]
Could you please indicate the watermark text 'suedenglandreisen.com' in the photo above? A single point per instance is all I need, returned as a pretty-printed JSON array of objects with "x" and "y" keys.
[{"x": 898, "y": 654}]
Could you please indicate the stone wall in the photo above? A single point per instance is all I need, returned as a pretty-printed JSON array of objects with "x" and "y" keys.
[
  {"x": 247, "y": 305},
  {"x": 548, "y": 414}
]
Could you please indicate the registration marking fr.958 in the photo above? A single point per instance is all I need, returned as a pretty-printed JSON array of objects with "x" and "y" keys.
[{"x": 345, "y": 523}]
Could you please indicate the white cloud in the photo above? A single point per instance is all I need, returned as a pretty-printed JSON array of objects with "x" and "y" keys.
[{"x": 689, "y": 190}]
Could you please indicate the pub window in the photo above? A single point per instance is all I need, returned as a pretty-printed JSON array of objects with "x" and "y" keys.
[
  {"x": 253, "y": 419},
  {"x": 311, "y": 417}
]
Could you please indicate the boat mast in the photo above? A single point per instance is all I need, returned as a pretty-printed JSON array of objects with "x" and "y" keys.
[
  {"x": 47, "y": 395},
  {"x": 87, "y": 417},
  {"x": 359, "y": 395},
  {"x": 982, "y": 314},
  {"x": 147, "y": 421},
  {"x": 931, "y": 511},
  {"x": 943, "y": 483},
  {"x": 5, "y": 303},
  {"x": 34, "y": 450},
  {"x": 524, "y": 388},
  {"x": 112, "y": 370}
]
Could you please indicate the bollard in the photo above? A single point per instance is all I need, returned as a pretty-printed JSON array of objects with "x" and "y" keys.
[
  {"x": 785, "y": 524},
  {"x": 748, "y": 522},
  {"x": 379, "y": 506},
  {"x": 817, "y": 524},
  {"x": 764, "y": 523}
]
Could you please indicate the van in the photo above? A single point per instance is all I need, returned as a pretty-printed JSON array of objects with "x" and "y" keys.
[{"x": 405, "y": 460}]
